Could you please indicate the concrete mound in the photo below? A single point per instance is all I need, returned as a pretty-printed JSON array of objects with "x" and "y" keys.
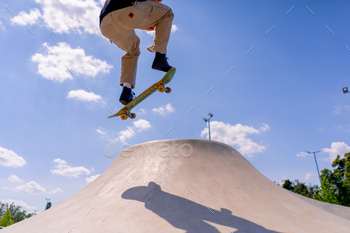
[{"x": 185, "y": 186}]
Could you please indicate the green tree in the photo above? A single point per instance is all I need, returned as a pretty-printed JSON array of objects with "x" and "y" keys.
[
  {"x": 328, "y": 191},
  {"x": 17, "y": 214},
  {"x": 288, "y": 185},
  {"x": 335, "y": 186},
  {"x": 3, "y": 209},
  {"x": 301, "y": 188},
  {"x": 6, "y": 219}
]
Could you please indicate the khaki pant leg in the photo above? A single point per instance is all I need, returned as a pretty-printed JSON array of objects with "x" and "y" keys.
[
  {"x": 131, "y": 44},
  {"x": 127, "y": 40},
  {"x": 162, "y": 34},
  {"x": 160, "y": 16}
]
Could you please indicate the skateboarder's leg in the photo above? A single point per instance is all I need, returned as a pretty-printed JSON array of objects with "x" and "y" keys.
[
  {"x": 148, "y": 14},
  {"x": 125, "y": 39},
  {"x": 162, "y": 33},
  {"x": 130, "y": 43},
  {"x": 151, "y": 14},
  {"x": 161, "y": 39}
]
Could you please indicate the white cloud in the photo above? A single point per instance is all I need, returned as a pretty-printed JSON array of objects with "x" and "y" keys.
[
  {"x": 174, "y": 28},
  {"x": 19, "y": 203},
  {"x": 302, "y": 154},
  {"x": 125, "y": 134},
  {"x": 100, "y": 132},
  {"x": 31, "y": 187},
  {"x": 139, "y": 125},
  {"x": 91, "y": 178},
  {"x": 8, "y": 158},
  {"x": 104, "y": 135},
  {"x": 163, "y": 110},
  {"x": 151, "y": 33},
  {"x": 142, "y": 125},
  {"x": 63, "y": 16},
  {"x": 63, "y": 169},
  {"x": 308, "y": 175},
  {"x": 236, "y": 135},
  {"x": 337, "y": 148},
  {"x": 62, "y": 61},
  {"x": 14, "y": 178},
  {"x": 24, "y": 18},
  {"x": 58, "y": 190},
  {"x": 83, "y": 95},
  {"x": 6, "y": 188},
  {"x": 264, "y": 128}
]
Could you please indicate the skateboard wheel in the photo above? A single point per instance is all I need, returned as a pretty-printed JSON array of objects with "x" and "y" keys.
[
  {"x": 132, "y": 115},
  {"x": 167, "y": 89},
  {"x": 161, "y": 88},
  {"x": 124, "y": 116}
]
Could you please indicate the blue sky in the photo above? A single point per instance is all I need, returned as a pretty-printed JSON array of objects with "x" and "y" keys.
[{"x": 271, "y": 72}]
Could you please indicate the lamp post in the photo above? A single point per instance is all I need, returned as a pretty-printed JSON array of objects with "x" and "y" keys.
[
  {"x": 208, "y": 120},
  {"x": 345, "y": 90},
  {"x": 316, "y": 163}
]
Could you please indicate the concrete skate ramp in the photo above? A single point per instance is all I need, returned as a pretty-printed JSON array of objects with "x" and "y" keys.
[
  {"x": 341, "y": 211},
  {"x": 183, "y": 186}
]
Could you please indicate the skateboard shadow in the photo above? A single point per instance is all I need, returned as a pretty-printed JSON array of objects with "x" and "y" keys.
[{"x": 186, "y": 214}]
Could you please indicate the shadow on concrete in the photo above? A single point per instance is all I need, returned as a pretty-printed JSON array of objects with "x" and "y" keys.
[{"x": 186, "y": 214}]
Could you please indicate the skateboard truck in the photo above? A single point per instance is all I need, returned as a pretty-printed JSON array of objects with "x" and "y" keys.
[
  {"x": 127, "y": 114},
  {"x": 161, "y": 88}
]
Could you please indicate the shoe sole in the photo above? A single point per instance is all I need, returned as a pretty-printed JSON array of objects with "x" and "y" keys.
[
  {"x": 161, "y": 69},
  {"x": 123, "y": 102}
]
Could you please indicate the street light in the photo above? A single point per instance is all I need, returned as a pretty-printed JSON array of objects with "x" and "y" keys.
[
  {"x": 316, "y": 164},
  {"x": 345, "y": 90},
  {"x": 208, "y": 120}
]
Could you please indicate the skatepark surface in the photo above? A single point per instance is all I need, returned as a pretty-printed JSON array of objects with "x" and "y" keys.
[{"x": 185, "y": 185}]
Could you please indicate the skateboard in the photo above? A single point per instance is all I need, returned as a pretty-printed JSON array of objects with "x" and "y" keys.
[{"x": 125, "y": 112}]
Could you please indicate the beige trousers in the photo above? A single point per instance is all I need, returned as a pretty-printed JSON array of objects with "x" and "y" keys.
[{"x": 118, "y": 26}]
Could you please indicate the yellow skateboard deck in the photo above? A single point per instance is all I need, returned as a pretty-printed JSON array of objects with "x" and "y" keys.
[{"x": 125, "y": 113}]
